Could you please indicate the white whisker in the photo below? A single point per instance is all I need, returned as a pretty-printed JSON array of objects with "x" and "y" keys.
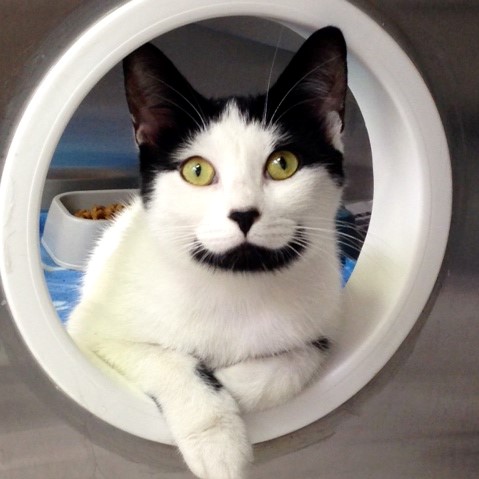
[
  {"x": 306, "y": 75},
  {"x": 195, "y": 109},
  {"x": 265, "y": 108}
]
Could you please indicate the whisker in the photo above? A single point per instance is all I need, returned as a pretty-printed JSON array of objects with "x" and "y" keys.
[
  {"x": 265, "y": 108},
  {"x": 292, "y": 107},
  {"x": 195, "y": 109},
  {"x": 335, "y": 232},
  {"x": 306, "y": 75}
]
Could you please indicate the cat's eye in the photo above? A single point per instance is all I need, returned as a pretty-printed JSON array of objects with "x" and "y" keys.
[
  {"x": 282, "y": 165},
  {"x": 198, "y": 171}
]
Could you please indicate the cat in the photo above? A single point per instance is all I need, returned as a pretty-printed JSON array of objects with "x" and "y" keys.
[{"x": 217, "y": 291}]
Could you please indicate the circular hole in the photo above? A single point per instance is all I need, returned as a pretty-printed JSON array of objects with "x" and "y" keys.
[{"x": 412, "y": 193}]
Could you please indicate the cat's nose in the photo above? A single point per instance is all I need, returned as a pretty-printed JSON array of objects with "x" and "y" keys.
[{"x": 245, "y": 219}]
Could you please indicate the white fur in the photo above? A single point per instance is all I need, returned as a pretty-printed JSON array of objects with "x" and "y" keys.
[
  {"x": 150, "y": 311},
  {"x": 334, "y": 127}
]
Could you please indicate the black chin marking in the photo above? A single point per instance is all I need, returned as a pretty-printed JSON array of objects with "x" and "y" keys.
[{"x": 249, "y": 258}]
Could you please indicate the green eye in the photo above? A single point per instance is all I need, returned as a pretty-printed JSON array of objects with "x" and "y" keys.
[
  {"x": 198, "y": 171},
  {"x": 282, "y": 165}
]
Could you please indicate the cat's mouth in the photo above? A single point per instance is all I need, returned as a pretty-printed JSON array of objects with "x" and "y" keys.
[{"x": 250, "y": 258}]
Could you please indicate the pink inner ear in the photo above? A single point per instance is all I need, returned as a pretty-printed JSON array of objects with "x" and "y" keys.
[
  {"x": 145, "y": 133},
  {"x": 149, "y": 122}
]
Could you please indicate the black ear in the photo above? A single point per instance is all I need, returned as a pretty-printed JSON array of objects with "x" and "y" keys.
[
  {"x": 315, "y": 80},
  {"x": 159, "y": 97}
]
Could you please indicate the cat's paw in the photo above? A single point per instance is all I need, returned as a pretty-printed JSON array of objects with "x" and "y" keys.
[{"x": 221, "y": 451}]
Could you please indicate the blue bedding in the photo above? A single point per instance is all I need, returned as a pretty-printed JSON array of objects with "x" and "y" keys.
[{"x": 63, "y": 284}]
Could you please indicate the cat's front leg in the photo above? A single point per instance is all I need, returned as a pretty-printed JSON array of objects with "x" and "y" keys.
[
  {"x": 202, "y": 415},
  {"x": 265, "y": 382}
]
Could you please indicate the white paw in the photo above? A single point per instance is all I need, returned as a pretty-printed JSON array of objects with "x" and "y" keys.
[{"x": 222, "y": 451}]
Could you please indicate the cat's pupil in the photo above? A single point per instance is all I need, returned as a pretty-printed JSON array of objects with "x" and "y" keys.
[
  {"x": 197, "y": 170},
  {"x": 282, "y": 162}
]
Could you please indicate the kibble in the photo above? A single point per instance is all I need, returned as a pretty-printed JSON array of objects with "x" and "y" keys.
[{"x": 100, "y": 212}]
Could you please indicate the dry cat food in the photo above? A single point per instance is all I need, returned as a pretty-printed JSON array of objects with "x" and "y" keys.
[{"x": 100, "y": 212}]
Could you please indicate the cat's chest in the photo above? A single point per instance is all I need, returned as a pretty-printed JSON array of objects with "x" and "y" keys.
[
  {"x": 225, "y": 322},
  {"x": 230, "y": 335}
]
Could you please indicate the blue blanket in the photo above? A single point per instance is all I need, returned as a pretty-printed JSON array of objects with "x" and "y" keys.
[{"x": 64, "y": 284}]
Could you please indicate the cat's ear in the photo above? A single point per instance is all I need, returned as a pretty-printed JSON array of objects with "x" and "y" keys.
[
  {"x": 315, "y": 80},
  {"x": 158, "y": 95}
]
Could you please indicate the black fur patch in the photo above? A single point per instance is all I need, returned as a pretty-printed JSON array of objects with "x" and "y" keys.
[
  {"x": 207, "y": 375},
  {"x": 323, "y": 344},
  {"x": 249, "y": 258},
  {"x": 157, "y": 403}
]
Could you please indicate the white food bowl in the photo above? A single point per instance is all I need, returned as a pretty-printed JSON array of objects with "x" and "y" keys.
[{"x": 69, "y": 239}]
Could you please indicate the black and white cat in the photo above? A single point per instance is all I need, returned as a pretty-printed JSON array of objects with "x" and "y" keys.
[{"x": 218, "y": 290}]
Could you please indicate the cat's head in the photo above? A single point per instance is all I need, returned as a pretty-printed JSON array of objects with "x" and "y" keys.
[{"x": 243, "y": 184}]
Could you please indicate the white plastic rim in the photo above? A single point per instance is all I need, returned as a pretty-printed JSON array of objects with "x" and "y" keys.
[{"x": 400, "y": 259}]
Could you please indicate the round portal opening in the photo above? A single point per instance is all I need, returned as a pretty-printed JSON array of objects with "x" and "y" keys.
[{"x": 400, "y": 258}]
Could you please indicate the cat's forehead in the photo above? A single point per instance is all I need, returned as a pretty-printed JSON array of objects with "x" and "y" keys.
[{"x": 234, "y": 136}]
